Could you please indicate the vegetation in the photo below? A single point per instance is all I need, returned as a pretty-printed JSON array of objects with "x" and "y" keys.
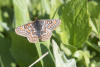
[{"x": 76, "y": 42}]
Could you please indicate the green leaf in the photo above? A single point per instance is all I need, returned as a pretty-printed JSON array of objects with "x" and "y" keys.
[
  {"x": 1, "y": 28},
  {"x": 45, "y": 6},
  {"x": 39, "y": 52},
  {"x": 68, "y": 49},
  {"x": 6, "y": 58},
  {"x": 94, "y": 46},
  {"x": 5, "y": 3},
  {"x": 55, "y": 4},
  {"x": 4, "y": 26},
  {"x": 75, "y": 22},
  {"x": 96, "y": 61},
  {"x": 94, "y": 10},
  {"x": 21, "y": 11},
  {"x": 83, "y": 56},
  {"x": 23, "y": 52},
  {"x": 41, "y": 49}
]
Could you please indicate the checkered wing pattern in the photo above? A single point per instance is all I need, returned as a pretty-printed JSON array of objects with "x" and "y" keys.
[
  {"x": 49, "y": 26},
  {"x": 28, "y": 31},
  {"x": 39, "y": 29},
  {"x": 52, "y": 24},
  {"x": 46, "y": 35}
]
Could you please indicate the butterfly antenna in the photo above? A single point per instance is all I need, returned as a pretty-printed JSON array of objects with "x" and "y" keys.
[{"x": 38, "y": 59}]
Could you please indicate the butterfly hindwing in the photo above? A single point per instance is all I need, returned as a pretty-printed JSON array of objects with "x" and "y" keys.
[
  {"x": 46, "y": 35},
  {"x": 33, "y": 38}
]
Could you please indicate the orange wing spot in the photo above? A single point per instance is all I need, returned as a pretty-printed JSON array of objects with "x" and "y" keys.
[
  {"x": 28, "y": 30},
  {"x": 28, "y": 24},
  {"x": 49, "y": 26},
  {"x": 21, "y": 28},
  {"x": 54, "y": 22}
]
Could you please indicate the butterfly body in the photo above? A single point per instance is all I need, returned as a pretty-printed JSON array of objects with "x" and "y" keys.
[{"x": 38, "y": 30}]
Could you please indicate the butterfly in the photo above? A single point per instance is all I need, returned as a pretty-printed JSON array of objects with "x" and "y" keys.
[{"x": 38, "y": 29}]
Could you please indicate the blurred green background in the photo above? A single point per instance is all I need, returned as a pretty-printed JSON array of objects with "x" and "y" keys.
[{"x": 78, "y": 35}]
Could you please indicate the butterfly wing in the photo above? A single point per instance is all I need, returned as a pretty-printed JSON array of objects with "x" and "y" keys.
[
  {"x": 33, "y": 38},
  {"x": 46, "y": 35},
  {"x": 28, "y": 31},
  {"x": 52, "y": 24},
  {"x": 42, "y": 30},
  {"x": 48, "y": 27}
]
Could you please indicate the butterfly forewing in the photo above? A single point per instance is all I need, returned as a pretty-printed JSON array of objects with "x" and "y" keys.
[
  {"x": 29, "y": 31},
  {"x": 21, "y": 31},
  {"x": 52, "y": 24},
  {"x": 48, "y": 27}
]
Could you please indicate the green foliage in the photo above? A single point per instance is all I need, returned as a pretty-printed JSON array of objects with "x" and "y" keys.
[
  {"x": 78, "y": 22},
  {"x": 76, "y": 42},
  {"x": 21, "y": 11}
]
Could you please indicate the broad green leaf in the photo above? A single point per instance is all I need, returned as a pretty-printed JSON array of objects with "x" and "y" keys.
[
  {"x": 26, "y": 53},
  {"x": 23, "y": 52},
  {"x": 60, "y": 58},
  {"x": 75, "y": 23},
  {"x": 6, "y": 58},
  {"x": 21, "y": 11}
]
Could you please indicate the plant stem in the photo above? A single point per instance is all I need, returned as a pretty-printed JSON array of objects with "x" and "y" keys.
[{"x": 93, "y": 46}]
